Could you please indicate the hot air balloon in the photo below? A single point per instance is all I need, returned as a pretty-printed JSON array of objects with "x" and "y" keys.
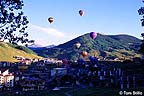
[
  {"x": 65, "y": 61},
  {"x": 93, "y": 35},
  {"x": 84, "y": 53},
  {"x": 93, "y": 59},
  {"x": 81, "y": 12},
  {"x": 77, "y": 45},
  {"x": 50, "y": 19},
  {"x": 80, "y": 61}
]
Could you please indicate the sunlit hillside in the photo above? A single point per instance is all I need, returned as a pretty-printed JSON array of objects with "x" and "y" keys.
[{"x": 7, "y": 51}]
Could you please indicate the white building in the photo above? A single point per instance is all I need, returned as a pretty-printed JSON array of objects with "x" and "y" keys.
[
  {"x": 52, "y": 60},
  {"x": 6, "y": 78},
  {"x": 58, "y": 71}
]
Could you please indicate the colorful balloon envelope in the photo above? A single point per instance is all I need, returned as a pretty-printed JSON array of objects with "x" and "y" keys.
[
  {"x": 80, "y": 61},
  {"x": 81, "y": 12},
  {"x": 65, "y": 61},
  {"x": 77, "y": 45},
  {"x": 93, "y": 59},
  {"x": 84, "y": 53},
  {"x": 93, "y": 35},
  {"x": 50, "y": 19}
]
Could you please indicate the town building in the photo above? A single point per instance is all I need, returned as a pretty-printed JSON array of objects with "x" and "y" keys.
[
  {"x": 32, "y": 83},
  {"x": 6, "y": 79}
]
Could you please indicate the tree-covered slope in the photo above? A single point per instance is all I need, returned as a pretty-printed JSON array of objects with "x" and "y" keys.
[{"x": 104, "y": 46}]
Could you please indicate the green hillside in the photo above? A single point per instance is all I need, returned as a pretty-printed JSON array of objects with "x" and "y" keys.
[
  {"x": 104, "y": 47},
  {"x": 7, "y": 51}
]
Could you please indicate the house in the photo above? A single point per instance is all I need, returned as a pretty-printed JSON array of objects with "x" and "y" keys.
[
  {"x": 5, "y": 64},
  {"x": 22, "y": 67},
  {"x": 52, "y": 60},
  {"x": 6, "y": 79},
  {"x": 32, "y": 83},
  {"x": 137, "y": 60},
  {"x": 27, "y": 61},
  {"x": 58, "y": 71}
]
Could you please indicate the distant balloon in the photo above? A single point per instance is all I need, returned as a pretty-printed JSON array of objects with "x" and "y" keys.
[
  {"x": 84, "y": 53},
  {"x": 81, "y": 12},
  {"x": 90, "y": 58},
  {"x": 80, "y": 61},
  {"x": 65, "y": 61},
  {"x": 77, "y": 45},
  {"x": 93, "y": 35},
  {"x": 50, "y": 19},
  {"x": 93, "y": 59}
]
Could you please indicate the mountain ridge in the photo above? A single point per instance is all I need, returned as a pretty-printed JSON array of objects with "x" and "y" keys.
[{"x": 104, "y": 46}]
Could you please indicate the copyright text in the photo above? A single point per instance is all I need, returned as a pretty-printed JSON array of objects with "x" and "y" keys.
[{"x": 136, "y": 93}]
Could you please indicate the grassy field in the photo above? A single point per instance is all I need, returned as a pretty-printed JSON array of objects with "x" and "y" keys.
[{"x": 7, "y": 52}]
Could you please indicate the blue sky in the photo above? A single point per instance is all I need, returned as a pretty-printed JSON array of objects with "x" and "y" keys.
[{"x": 102, "y": 16}]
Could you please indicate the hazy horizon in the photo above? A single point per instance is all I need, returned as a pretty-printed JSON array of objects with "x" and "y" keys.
[{"x": 38, "y": 44}]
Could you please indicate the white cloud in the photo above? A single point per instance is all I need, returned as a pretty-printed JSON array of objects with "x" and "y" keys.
[
  {"x": 50, "y": 31},
  {"x": 48, "y": 36},
  {"x": 41, "y": 42}
]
